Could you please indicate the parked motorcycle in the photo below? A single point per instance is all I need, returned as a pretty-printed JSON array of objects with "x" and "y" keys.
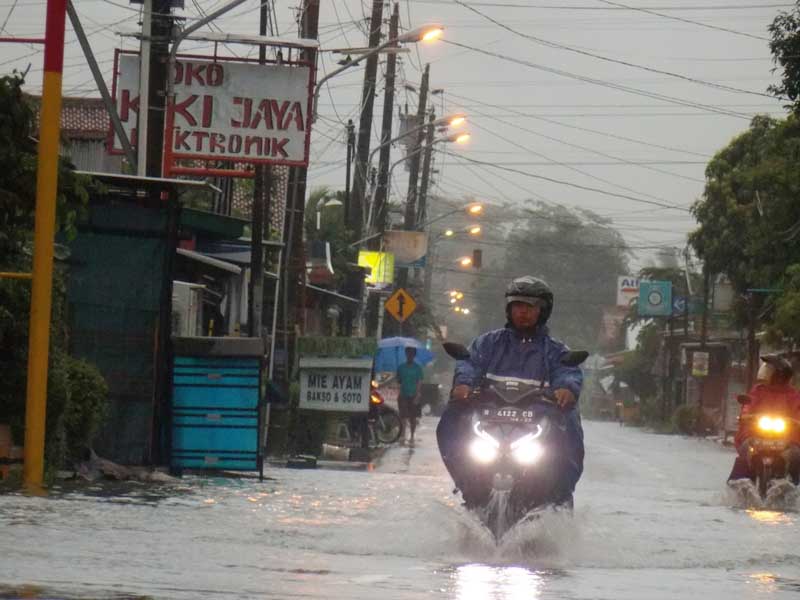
[
  {"x": 383, "y": 423},
  {"x": 770, "y": 439},
  {"x": 513, "y": 466}
]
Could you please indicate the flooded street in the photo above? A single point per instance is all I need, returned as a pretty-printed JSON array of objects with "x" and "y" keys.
[{"x": 652, "y": 520}]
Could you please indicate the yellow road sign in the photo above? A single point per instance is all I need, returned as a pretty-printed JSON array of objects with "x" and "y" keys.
[{"x": 400, "y": 305}]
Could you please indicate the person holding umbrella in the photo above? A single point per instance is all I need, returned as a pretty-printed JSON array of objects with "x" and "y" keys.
[{"x": 409, "y": 375}]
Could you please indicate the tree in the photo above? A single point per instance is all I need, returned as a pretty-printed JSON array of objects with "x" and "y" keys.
[
  {"x": 637, "y": 365},
  {"x": 748, "y": 215},
  {"x": 576, "y": 251},
  {"x": 76, "y": 391},
  {"x": 784, "y": 45}
]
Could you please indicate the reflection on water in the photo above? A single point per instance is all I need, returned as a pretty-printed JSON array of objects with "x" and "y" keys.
[
  {"x": 765, "y": 581},
  {"x": 482, "y": 582},
  {"x": 770, "y": 517}
]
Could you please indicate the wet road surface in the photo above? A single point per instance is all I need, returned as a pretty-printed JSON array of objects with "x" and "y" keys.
[{"x": 653, "y": 519}]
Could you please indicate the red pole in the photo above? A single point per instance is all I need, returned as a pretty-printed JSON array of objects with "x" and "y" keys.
[{"x": 19, "y": 40}]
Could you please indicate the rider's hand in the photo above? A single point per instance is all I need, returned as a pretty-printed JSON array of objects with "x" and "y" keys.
[
  {"x": 564, "y": 398},
  {"x": 460, "y": 392}
]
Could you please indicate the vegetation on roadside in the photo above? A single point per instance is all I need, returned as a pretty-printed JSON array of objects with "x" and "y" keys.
[{"x": 76, "y": 399}]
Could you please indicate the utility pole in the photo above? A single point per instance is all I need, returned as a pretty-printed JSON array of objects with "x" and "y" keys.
[
  {"x": 413, "y": 172},
  {"x": 426, "y": 169},
  {"x": 160, "y": 35},
  {"x": 142, "y": 126},
  {"x": 262, "y": 184},
  {"x": 752, "y": 342},
  {"x": 411, "y": 201},
  {"x": 379, "y": 209},
  {"x": 351, "y": 146},
  {"x": 292, "y": 268},
  {"x": 365, "y": 123},
  {"x": 703, "y": 336}
]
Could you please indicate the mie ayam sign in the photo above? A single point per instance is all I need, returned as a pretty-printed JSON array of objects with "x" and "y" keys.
[
  {"x": 335, "y": 384},
  {"x": 234, "y": 111}
]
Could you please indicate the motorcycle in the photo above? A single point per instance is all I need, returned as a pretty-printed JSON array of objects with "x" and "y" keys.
[
  {"x": 512, "y": 466},
  {"x": 383, "y": 423},
  {"x": 771, "y": 435}
]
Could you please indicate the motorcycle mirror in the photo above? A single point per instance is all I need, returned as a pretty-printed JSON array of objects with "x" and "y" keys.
[
  {"x": 574, "y": 357},
  {"x": 457, "y": 351},
  {"x": 743, "y": 399}
]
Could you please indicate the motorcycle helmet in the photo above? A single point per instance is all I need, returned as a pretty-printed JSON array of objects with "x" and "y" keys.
[
  {"x": 775, "y": 369},
  {"x": 533, "y": 291}
]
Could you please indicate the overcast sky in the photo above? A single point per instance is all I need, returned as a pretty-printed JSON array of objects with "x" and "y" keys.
[{"x": 547, "y": 107}]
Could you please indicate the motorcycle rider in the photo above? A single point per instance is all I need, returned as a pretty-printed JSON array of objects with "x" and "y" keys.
[
  {"x": 523, "y": 349},
  {"x": 773, "y": 394}
]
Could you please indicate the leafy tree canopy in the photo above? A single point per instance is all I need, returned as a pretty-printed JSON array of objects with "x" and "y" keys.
[
  {"x": 785, "y": 47},
  {"x": 749, "y": 216},
  {"x": 576, "y": 251},
  {"x": 76, "y": 391}
]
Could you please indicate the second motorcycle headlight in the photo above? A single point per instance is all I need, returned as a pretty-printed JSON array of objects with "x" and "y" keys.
[{"x": 526, "y": 450}]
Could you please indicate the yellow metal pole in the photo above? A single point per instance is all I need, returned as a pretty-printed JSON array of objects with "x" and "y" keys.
[{"x": 44, "y": 234}]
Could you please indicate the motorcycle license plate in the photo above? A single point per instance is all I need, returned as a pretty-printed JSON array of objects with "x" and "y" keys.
[
  {"x": 507, "y": 415},
  {"x": 767, "y": 445}
]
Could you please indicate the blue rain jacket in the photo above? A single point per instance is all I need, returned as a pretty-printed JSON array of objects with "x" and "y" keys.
[{"x": 505, "y": 353}]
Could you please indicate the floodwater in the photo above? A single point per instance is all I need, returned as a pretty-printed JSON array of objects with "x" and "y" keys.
[{"x": 653, "y": 519}]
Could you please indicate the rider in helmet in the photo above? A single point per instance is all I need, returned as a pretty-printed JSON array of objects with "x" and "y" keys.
[
  {"x": 522, "y": 349},
  {"x": 772, "y": 394}
]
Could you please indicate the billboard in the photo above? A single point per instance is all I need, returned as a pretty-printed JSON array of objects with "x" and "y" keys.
[
  {"x": 655, "y": 298},
  {"x": 240, "y": 112},
  {"x": 627, "y": 290},
  {"x": 381, "y": 265},
  {"x": 335, "y": 384},
  {"x": 409, "y": 247}
]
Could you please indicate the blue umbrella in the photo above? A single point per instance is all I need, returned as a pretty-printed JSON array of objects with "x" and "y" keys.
[{"x": 392, "y": 353}]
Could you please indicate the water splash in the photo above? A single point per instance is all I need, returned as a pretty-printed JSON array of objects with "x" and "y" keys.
[{"x": 743, "y": 493}]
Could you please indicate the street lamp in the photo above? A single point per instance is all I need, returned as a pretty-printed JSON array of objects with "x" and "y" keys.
[
  {"x": 455, "y": 138},
  {"x": 453, "y": 120},
  {"x": 465, "y": 261},
  {"x": 473, "y": 208},
  {"x": 325, "y": 204},
  {"x": 426, "y": 33},
  {"x": 472, "y": 230}
]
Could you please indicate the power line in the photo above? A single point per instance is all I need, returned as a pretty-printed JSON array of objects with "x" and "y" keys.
[
  {"x": 573, "y": 168},
  {"x": 567, "y": 183},
  {"x": 595, "y": 131},
  {"x": 581, "y": 163},
  {"x": 557, "y": 45},
  {"x": 713, "y": 7},
  {"x": 8, "y": 16},
  {"x": 684, "y": 20},
  {"x": 587, "y": 149},
  {"x": 602, "y": 83}
]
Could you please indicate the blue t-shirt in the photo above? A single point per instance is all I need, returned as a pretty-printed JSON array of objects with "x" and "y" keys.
[{"x": 409, "y": 376}]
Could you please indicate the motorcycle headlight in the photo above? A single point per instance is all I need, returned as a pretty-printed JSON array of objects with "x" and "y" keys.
[
  {"x": 772, "y": 424},
  {"x": 483, "y": 451},
  {"x": 527, "y": 450}
]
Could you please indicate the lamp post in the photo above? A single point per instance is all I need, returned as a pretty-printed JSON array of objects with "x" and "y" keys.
[
  {"x": 426, "y": 33},
  {"x": 457, "y": 138}
]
